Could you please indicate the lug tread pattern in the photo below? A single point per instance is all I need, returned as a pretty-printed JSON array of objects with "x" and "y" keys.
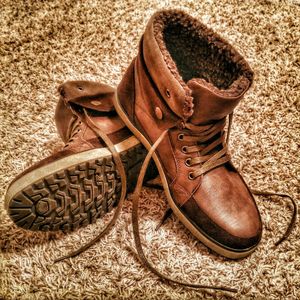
[{"x": 76, "y": 196}]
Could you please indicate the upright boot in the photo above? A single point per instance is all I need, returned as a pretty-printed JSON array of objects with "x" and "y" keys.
[
  {"x": 184, "y": 83},
  {"x": 80, "y": 183}
]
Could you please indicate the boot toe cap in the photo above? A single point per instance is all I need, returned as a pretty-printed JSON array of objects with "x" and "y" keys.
[{"x": 241, "y": 233}]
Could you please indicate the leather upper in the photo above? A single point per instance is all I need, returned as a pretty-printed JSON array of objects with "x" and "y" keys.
[
  {"x": 218, "y": 202},
  {"x": 208, "y": 105}
]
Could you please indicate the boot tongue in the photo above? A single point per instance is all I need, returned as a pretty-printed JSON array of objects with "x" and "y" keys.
[{"x": 212, "y": 104}]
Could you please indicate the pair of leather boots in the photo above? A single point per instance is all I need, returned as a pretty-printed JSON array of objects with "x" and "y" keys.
[{"x": 175, "y": 105}]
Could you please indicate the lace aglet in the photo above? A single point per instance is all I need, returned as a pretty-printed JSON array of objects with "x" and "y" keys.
[
  {"x": 279, "y": 241},
  {"x": 159, "y": 225},
  {"x": 75, "y": 253},
  {"x": 167, "y": 214},
  {"x": 61, "y": 258}
]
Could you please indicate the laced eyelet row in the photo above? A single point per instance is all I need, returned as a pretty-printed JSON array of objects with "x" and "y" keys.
[
  {"x": 191, "y": 176},
  {"x": 180, "y": 136},
  {"x": 188, "y": 162}
]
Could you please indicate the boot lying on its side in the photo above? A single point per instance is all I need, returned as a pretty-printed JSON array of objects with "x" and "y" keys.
[{"x": 80, "y": 183}]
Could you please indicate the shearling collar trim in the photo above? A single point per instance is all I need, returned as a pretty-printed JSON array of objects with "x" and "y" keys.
[{"x": 237, "y": 87}]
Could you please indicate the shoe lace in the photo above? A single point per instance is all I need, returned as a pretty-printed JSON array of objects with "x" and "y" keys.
[
  {"x": 136, "y": 230},
  {"x": 293, "y": 219},
  {"x": 85, "y": 118},
  {"x": 210, "y": 161},
  {"x": 135, "y": 223},
  {"x": 206, "y": 162},
  {"x": 211, "y": 136}
]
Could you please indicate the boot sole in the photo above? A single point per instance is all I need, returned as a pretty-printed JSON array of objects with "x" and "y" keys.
[
  {"x": 209, "y": 242},
  {"x": 73, "y": 191}
]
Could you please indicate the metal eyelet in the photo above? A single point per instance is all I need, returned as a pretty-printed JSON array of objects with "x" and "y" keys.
[
  {"x": 180, "y": 136},
  {"x": 62, "y": 92},
  {"x": 184, "y": 149},
  {"x": 188, "y": 162},
  {"x": 191, "y": 176},
  {"x": 168, "y": 93}
]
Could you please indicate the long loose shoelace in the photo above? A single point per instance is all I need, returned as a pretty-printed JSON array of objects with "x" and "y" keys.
[
  {"x": 294, "y": 215},
  {"x": 136, "y": 231},
  {"x": 135, "y": 224},
  {"x": 206, "y": 162}
]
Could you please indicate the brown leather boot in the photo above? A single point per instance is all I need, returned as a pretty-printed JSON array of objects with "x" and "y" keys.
[
  {"x": 180, "y": 88},
  {"x": 80, "y": 183}
]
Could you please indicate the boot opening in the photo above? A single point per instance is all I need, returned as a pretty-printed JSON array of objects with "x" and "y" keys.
[
  {"x": 196, "y": 58},
  {"x": 193, "y": 51}
]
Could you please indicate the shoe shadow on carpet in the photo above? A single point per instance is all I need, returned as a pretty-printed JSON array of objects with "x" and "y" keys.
[{"x": 14, "y": 239}]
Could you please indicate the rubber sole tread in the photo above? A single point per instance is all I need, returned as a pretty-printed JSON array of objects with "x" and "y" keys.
[{"x": 76, "y": 196}]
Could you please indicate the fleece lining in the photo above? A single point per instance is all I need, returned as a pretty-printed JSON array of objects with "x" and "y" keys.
[{"x": 192, "y": 51}]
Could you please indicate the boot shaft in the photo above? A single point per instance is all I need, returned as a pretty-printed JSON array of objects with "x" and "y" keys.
[{"x": 196, "y": 74}]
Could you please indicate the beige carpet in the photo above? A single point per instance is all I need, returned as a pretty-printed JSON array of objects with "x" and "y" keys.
[{"x": 44, "y": 43}]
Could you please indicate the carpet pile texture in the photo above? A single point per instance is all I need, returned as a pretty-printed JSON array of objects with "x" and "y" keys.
[{"x": 43, "y": 44}]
